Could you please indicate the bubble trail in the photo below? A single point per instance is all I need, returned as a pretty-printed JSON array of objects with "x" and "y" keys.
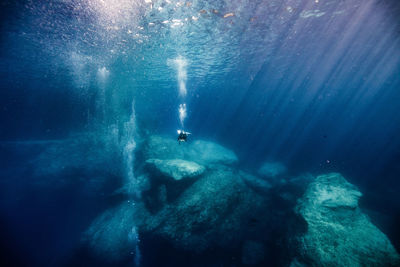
[
  {"x": 180, "y": 65},
  {"x": 182, "y": 113}
]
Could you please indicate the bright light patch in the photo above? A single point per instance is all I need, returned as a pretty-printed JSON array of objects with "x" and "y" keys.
[{"x": 102, "y": 75}]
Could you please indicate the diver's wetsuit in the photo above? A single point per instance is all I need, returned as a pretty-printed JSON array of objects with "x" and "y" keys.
[{"x": 182, "y": 137}]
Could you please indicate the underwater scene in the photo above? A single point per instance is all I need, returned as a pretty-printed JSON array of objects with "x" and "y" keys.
[{"x": 218, "y": 133}]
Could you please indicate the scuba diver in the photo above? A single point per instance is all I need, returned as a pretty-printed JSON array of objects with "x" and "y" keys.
[{"x": 182, "y": 136}]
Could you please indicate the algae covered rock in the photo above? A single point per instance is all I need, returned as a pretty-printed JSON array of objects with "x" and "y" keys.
[
  {"x": 200, "y": 151},
  {"x": 338, "y": 233},
  {"x": 211, "y": 153},
  {"x": 158, "y": 147},
  {"x": 176, "y": 169},
  {"x": 213, "y": 212},
  {"x": 218, "y": 211}
]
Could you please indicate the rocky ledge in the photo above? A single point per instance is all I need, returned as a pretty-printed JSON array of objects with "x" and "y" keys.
[{"x": 176, "y": 169}]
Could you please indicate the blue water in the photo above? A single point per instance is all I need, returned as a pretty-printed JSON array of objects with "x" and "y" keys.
[{"x": 312, "y": 84}]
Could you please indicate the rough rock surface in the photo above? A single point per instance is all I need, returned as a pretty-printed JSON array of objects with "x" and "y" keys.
[
  {"x": 272, "y": 169},
  {"x": 202, "y": 152},
  {"x": 158, "y": 147},
  {"x": 211, "y": 153},
  {"x": 176, "y": 169},
  {"x": 339, "y": 234},
  {"x": 108, "y": 237},
  {"x": 218, "y": 210},
  {"x": 213, "y": 211}
]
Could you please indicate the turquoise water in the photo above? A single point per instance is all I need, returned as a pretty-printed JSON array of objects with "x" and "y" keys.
[{"x": 275, "y": 95}]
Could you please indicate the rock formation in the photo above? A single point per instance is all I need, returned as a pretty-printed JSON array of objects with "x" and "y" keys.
[
  {"x": 176, "y": 169},
  {"x": 338, "y": 232}
]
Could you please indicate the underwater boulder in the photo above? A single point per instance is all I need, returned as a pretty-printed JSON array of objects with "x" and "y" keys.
[
  {"x": 169, "y": 178},
  {"x": 272, "y": 169},
  {"x": 176, "y": 169},
  {"x": 111, "y": 236},
  {"x": 207, "y": 152},
  {"x": 200, "y": 151},
  {"x": 214, "y": 211},
  {"x": 338, "y": 233},
  {"x": 159, "y": 147}
]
